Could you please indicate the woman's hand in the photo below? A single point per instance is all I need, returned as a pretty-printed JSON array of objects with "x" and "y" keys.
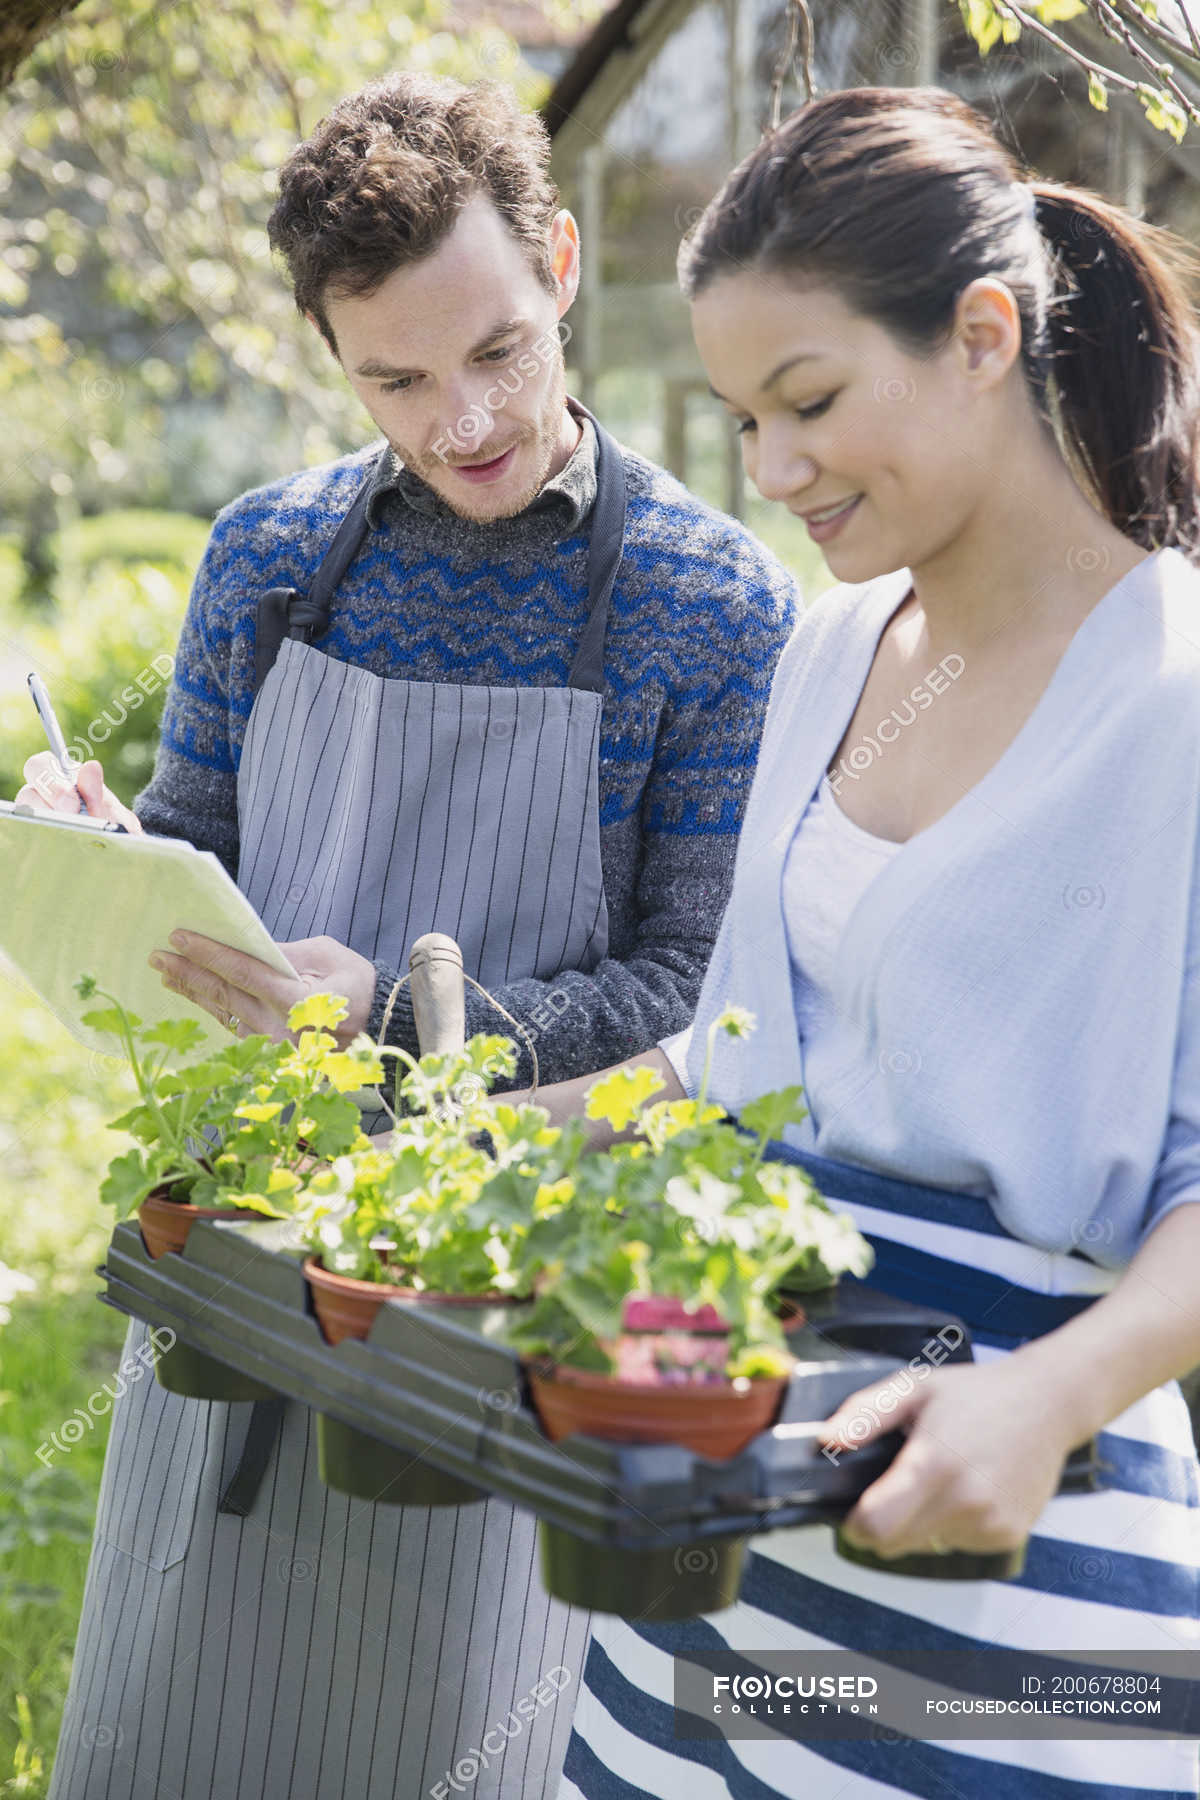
[
  {"x": 986, "y": 1443},
  {"x": 247, "y": 995}
]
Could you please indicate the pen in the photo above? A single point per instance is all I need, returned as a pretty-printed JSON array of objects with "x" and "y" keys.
[{"x": 53, "y": 730}]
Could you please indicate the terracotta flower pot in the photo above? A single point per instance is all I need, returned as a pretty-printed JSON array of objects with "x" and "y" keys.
[
  {"x": 668, "y": 1384},
  {"x": 165, "y": 1223},
  {"x": 350, "y": 1460},
  {"x": 713, "y": 1418},
  {"x": 684, "y": 1397},
  {"x": 182, "y": 1369},
  {"x": 347, "y": 1307}
]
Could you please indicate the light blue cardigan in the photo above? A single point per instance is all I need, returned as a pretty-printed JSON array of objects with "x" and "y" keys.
[{"x": 1018, "y": 991}]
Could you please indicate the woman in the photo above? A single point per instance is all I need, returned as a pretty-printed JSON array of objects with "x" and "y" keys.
[{"x": 966, "y": 915}]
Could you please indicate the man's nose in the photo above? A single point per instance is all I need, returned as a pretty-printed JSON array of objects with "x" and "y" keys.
[{"x": 465, "y": 422}]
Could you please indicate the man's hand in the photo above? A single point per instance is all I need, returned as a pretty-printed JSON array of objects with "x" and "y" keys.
[
  {"x": 46, "y": 790},
  {"x": 229, "y": 984}
]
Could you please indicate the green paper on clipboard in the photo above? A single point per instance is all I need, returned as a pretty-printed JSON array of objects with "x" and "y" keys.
[{"x": 78, "y": 898}]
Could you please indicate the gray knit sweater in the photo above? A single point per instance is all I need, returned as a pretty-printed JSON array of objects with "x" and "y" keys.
[{"x": 699, "y": 615}]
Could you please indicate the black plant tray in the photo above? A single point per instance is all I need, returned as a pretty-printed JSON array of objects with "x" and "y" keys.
[{"x": 444, "y": 1386}]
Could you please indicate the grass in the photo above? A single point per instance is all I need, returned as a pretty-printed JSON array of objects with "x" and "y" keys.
[{"x": 58, "y": 1346}]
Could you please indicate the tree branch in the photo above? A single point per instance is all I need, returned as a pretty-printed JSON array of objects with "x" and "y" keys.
[
  {"x": 22, "y": 24},
  {"x": 1029, "y": 23},
  {"x": 1119, "y": 32}
]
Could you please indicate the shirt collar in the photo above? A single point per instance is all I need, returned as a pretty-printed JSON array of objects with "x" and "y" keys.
[{"x": 566, "y": 499}]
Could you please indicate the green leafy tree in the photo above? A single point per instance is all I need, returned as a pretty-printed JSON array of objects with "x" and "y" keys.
[{"x": 150, "y": 352}]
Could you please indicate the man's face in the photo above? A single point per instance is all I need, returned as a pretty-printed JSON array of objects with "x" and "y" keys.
[{"x": 458, "y": 360}]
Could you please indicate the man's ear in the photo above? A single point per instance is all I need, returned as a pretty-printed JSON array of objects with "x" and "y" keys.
[
  {"x": 564, "y": 257},
  {"x": 323, "y": 335}
]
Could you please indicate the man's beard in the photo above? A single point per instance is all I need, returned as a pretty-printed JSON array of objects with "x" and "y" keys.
[{"x": 544, "y": 436}]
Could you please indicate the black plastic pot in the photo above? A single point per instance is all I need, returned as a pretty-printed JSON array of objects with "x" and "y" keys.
[
  {"x": 354, "y": 1463},
  {"x": 182, "y": 1370},
  {"x": 676, "y": 1581},
  {"x": 932, "y": 1565}
]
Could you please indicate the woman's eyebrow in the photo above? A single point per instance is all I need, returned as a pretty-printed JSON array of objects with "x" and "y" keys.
[
  {"x": 789, "y": 362},
  {"x": 782, "y": 369}
]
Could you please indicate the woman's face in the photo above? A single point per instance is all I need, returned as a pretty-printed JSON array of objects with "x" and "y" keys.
[{"x": 884, "y": 454}]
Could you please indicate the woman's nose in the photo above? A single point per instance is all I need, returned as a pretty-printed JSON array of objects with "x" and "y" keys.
[{"x": 778, "y": 471}]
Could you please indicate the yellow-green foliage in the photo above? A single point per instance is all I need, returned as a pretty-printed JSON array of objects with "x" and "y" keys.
[
  {"x": 103, "y": 645},
  {"x": 58, "y": 1346}
]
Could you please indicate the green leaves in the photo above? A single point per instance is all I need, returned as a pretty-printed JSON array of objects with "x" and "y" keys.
[
  {"x": 230, "y": 1124},
  {"x": 473, "y": 1198},
  {"x": 1057, "y": 12},
  {"x": 1163, "y": 111},
  {"x": 770, "y": 1114},
  {"x": 111, "y": 1019},
  {"x": 318, "y": 1012},
  {"x": 685, "y": 1209},
  {"x": 330, "y": 1124},
  {"x": 181, "y": 1036},
  {"x": 620, "y": 1097},
  {"x": 129, "y": 1179},
  {"x": 988, "y": 24}
]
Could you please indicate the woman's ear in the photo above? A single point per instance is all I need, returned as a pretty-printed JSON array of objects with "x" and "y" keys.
[
  {"x": 987, "y": 330},
  {"x": 564, "y": 257}
]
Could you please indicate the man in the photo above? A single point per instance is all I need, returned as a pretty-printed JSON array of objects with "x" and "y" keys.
[{"x": 498, "y": 678}]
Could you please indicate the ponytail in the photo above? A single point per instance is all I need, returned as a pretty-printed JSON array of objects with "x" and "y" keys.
[{"x": 1123, "y": 355}]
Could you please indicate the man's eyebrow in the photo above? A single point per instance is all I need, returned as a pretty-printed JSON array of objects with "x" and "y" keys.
[
  {"x": 781, "y": 369},
  {"x": 376, "y": 370}
]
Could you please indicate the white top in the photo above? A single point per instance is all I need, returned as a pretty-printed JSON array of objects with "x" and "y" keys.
[
  {"x": 1016, "y": 995},
  {"x": 829, "y": 867}
]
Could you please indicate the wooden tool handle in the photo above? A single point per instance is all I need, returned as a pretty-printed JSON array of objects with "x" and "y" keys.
[{"x": 438, "y": 993}]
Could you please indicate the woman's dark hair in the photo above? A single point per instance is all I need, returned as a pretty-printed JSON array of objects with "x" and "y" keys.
[
  {"x": 899, "y": 197},
  {"x": 383, "y": 178}
]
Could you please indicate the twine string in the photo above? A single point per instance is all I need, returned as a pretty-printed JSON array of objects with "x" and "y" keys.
[{"x": 403, "y": 980}]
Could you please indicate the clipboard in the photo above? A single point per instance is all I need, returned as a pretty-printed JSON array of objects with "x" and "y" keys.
[{"x": 79, "y": 896}]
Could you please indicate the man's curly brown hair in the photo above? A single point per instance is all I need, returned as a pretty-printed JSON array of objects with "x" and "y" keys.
[{"x": 383, "y": 178}]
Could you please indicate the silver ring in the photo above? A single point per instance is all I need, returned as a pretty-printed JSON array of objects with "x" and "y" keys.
[{"x": 233, "y": 1023}]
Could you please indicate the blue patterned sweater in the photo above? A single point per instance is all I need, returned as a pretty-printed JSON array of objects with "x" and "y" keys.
[{"x": 699, "y": 615}]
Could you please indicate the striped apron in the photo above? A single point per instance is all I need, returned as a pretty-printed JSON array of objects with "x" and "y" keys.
[
  {"x": 247, "y": 1633},
  {"x": 1112, "y": 1570}
]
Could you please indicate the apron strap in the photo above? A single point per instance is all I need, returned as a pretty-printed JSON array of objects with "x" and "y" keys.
[
  {"x": 266, "y": 1416},
  {"x": 285, "y": 612},
  {"x": 605, "y": 548}
]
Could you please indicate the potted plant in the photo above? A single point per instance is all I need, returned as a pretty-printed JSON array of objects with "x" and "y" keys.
[
  {"x": 231, "y": 1133},
  {"x": 430, "y": 1219},
  {"x": 660, "y": 1272}
]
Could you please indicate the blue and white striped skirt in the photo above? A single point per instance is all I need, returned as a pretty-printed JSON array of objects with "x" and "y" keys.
[{"x": 1114, "y": 1570}]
